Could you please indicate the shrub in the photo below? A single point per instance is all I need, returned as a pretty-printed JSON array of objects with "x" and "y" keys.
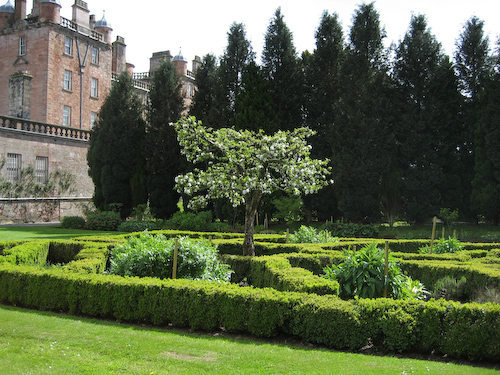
[
  {"x": 311, "y": 235},
  {"x": 450, "y": 288},
  {"x": 102, "y": 220},
  {"x": 138, "y": 226},
  {"x": 362, "y": 274},
  {"x": 73, "y": 222},
  {"x": 351, "y": 230},
  {"x": 449, "y": 245},
  {"x": 152, "y": 256},
  {"x": 190, "y": 221}
]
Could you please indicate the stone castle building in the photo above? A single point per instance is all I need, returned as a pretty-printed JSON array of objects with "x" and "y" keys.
[{"x": 55, "y": 74}]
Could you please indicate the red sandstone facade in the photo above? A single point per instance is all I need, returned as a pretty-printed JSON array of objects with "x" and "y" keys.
[{"x": 52, "y": 69}]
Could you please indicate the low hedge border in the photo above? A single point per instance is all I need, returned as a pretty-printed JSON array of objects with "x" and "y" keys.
[
  {"x": 469, "y": 331},
  {"x": 32, "y": 253},
  {"x": 276, "y": 272}
]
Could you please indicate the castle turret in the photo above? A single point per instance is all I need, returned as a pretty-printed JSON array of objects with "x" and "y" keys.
[
  {"x": 102, "y": 26},
  {"x": 180, "y": 64},
  {"x": 6, "y": 15},
  {"x": 50, "y": 10}
]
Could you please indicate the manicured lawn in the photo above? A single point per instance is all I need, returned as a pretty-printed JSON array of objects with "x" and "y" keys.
[
  {"x": 33, "y": 342},
  {"x": 9, "y": 232}
]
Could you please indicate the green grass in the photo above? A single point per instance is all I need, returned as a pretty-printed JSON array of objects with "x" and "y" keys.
[
  {"x": 45, "y": 232},
  {"x": 33, "y": 342}
]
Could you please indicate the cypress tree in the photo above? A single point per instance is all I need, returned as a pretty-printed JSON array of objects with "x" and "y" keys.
[
  {"x": 164, "y": 161},
  {"x": 282, "y": 69},
  {"x": 115, "y": 158}
]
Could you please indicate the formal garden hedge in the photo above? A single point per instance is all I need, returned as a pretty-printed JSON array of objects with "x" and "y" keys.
[{"x": 286, "y": 295}]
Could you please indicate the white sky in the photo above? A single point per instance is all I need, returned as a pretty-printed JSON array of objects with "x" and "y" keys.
[{"x": 200, "y": 27}]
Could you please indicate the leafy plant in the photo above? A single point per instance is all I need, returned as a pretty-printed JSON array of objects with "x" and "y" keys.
[
  {"x": 449, "y": 245},
  {"x": 448, "y": 216},
  {"x": 152, "y": 256},
  {"x": 307, "y": 234},
  {"x": 450, "y": 288},
  {"x": 361, "y": 274}
]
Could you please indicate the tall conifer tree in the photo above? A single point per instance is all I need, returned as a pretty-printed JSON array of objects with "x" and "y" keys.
[
  {"x": 164, "y": 161},
  {"x": 282, "y": 69},
  {"x": 115, "y": 158}
]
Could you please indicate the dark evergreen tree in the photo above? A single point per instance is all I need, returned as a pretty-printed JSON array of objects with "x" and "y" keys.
[
  {"x": 254, "y": 103},
  {"x": 362, "y": 139},
  {"x": 164, "y": 160},
  {"x": 485, "y": 199},
  {"x": 237, "y": 55},
  {"x": 323, "y": 90},
  {"x": 428, "y": 105},
  {"x": 204, "y": 105},
  {"x": 282, "y": 69},
  {"x": 115, "y": 158},
  {"x": 474, "y": 68}
]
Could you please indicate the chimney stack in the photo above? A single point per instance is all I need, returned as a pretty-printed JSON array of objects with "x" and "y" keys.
[{"x": 20, "y": 10}]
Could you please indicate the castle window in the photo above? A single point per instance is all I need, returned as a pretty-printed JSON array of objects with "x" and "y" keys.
[
  {"x": 66, "y": 116},
  {"x": 67, "y": 80},
  {"x": 95, "y": 55},
  {"x": 13, "y": 167},
  {"x": 22, "y": 45},
  {"x": 68, "y": 46},
  {"x": 94, "y": 88},
  {"x": 93, "y": 119},
  {"x": 42, "y": 169}
]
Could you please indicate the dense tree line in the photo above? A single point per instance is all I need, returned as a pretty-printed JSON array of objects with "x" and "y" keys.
[{"x": 408, "y": 129}]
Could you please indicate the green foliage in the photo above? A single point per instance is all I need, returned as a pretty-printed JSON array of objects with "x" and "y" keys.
[
  {"x": 163, "y": 157},
  {"x": 353, "y": 230},
  {"x": 242, "y": 166},
  {"x": 307, "y": 234},
  {"x": 115, "y": 155},
  {"x": 73, "y": 222},
  {"x": 362, "y": 274},
  {"x": 33, "y": 253},
  {"x": 282, "y": 69},
  {"x": 442, "y": 246},
  {"x": 288, "y": 208},
  {"x": 102, "y": 220},
  {"x": 199, "y": 221},
  {"x": 138, "y": 226},
  {"x": 450, "y": 288},
  {"x": 448, "y": 216},
  {"x": 152, "y": 255}
]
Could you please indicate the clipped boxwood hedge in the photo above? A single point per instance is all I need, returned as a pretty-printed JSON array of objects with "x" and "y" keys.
[{"x": 469, "y": 331}]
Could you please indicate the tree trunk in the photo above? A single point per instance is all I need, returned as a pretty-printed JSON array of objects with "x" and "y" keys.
[{"x": 252, "y": 200}]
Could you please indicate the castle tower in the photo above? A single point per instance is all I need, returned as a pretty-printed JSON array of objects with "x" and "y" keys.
[
  {"x": 50, "y": 10},
  {"x": 102, "y": 26},
  {"x": 180, "y": 64},
  {"x": 6, "y": 14}
]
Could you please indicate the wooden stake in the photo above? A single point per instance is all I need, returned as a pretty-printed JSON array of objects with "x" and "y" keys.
[
  {"x": 455, "y": 233},
  {"x": 287, "y": 234},
  {"x": 174, "y": 268},
  {"x": 443, "y": 234},
  {"x": 433, "y": 233},
  {"x": 386, "y": 269}
]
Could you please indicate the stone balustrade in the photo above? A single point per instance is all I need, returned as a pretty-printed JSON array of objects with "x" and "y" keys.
[{"x": 24, "y": 125}]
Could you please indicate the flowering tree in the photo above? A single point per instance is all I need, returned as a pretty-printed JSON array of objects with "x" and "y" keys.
[{"x": 243, "y": 165}]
